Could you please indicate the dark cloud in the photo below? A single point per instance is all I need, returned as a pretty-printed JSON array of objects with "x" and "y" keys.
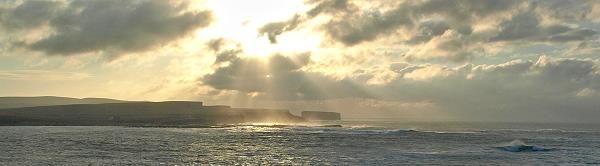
[
  {"x": 29, "y": 14},
  {"x": 519, "y": 90},
  {"x": 428, "y": 30},
  {"x": 451, "y": 46},
  {"x": 112, "y": 26},
  {"x": 272, "y": 30},
  {"x": 589, "y": 49},
  {"x": 331, "y": 7},
  {"x": 543, "y": 78},
  {"x": 522, "y": 90},
  {"x": 423, "y": 20},
  {"x": 226, "y": 55},
  {"x": 367, "y": 26},
  {"x": 465, "y": 11},
  {"x": 223, "y": 50},
  {"x": 527, "y": 26},
  {"x": 216, "y": 44},
  {"x": 350, "y": 25},
  {"x": 363, "y": 26},
  {"x": 568, "y": 71},
  {"x": 572, "y": 35},
  {"x": 567, "y": 11},
  {"x": 280, "y": 78}
]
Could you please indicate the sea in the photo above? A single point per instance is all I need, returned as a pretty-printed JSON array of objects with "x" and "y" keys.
[{"x": 353, "y": 142}]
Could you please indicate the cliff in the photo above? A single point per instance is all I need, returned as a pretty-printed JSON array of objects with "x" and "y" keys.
[
  {"x": 172, "y": 113},
  {"x": 19, "y": 102},
  {"x": 317, "y": 115}
]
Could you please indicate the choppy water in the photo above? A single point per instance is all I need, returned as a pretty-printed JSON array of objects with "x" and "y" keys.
[{"x": 357, "y": 143}]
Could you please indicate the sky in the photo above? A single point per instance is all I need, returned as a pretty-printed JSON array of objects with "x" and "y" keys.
[{"x": 413, "y": 60}]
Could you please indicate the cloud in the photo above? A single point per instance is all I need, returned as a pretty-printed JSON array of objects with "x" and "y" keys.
[
  {"x": 278, "y": 77},
  {"x": 112, "y": 26},
  {"x": 331, "y": 7},
  {"x": 518, "y": 90},
  {"x": 224, "y": 50},
  {"x": 457, "y": 31},
  {"x": 552, "y": 77},
  {"x": 272, "y": 30},
  {"x": 527, "y": 26},
  {"x": 451, "y": 46},
  {"x": 573, "y": 35},
  {"x": 388, "y": 54},
  {"x": 216, "y": 44},
  {"x": 351, "y": 25},
  {"x": 29, "y": 14},
  {"x": 355, "y": 28},
  {"x": 466, "y": 11},
  {"x": 41, "y": 75},
  {"x": 458, "y": 15},
  {"x": 548, "y": 88},
  {"x": 590, "y": 49},
  {"x": 429, "y": 29},
  {"x": 567, "y": 11}
]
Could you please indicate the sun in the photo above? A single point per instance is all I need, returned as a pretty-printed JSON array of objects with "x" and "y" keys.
[
  {"x": 291, "y": 42},
  {"x": 239, "y": 21}
]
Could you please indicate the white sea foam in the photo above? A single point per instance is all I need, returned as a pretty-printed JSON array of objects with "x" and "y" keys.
[{"x": 520, "y": 146}]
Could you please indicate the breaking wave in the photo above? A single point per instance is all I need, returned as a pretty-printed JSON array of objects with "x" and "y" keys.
[
  {"x": 401, "y": 131},
  {"x": 520, "y": 146}
]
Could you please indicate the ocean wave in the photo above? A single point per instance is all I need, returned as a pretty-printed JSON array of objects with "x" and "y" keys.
[
  {"x": 277, "y": 125},
  {"x": 401, "y": 131},
  {"x": 520, "y": 146},
  {"x": 360, "y": 126},
  {"x": 550, "y": 130}
]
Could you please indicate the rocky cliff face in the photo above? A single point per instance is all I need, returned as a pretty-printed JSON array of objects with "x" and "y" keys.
[
  {"x": 317, "y": 115},
  {"x": 173, "y": 113}
]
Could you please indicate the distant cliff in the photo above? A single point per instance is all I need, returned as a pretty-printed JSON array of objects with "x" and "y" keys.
[
  {"x": 317, "y": 115},
  {"x": 18, "y": 102},
  {"x": 172, "y": 113}
]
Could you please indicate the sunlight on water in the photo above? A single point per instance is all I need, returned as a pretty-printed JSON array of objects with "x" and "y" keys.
[{"x": 356, "y": 143}]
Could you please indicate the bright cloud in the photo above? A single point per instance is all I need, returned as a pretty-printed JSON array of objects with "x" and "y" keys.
[{"x": 499, "y": 60}]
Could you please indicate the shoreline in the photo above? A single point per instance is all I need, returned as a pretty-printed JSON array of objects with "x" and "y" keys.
[{"x": 187, "y": 126}]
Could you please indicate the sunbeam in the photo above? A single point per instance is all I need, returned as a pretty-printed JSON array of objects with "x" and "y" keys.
[{"x": 299, "y": 82}]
